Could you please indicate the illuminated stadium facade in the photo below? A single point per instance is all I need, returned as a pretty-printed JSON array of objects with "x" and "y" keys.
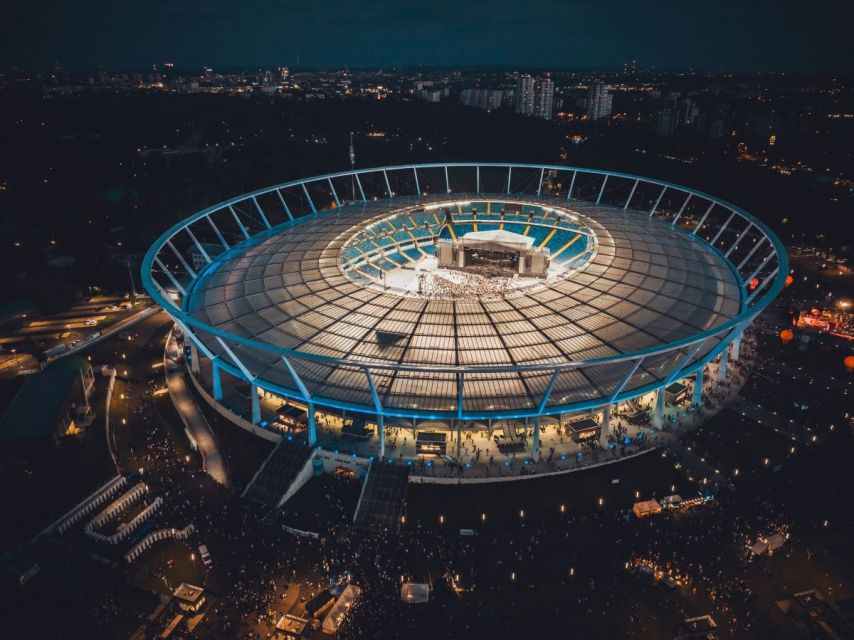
[{"x": 561, "y": 291}]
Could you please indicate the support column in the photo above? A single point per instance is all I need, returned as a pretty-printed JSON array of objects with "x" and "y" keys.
[
  {"x": 381, "y": 429},
  {"x": 698, "y": 388},
  {"x": 217, "y": 381},
  {"x": 536, "y": 453},
  {"x": 312, "y": 430},
  {"x": 256, "y": 404},
  {"x": 605, "y": 426},
  {"x": 722, "y": 369},
  {"x": 735, "y": 351},
  {"x": 194, "y": 358},
  {"x": 459, "y": 440},
  {"x": 658, "y": 417}
]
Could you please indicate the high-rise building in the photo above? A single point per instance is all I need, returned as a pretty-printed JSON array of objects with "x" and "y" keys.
[
  {"x": 431, "y": 95},
  {"x": 665, "y": 120},
  {"x": 716, "y": 122},
  {"x": 665, "y": 123},
  {"x": 687, "y": 112},
  {"x": 599, "y": 101},
  {"x": 524, "y": 96},
  {"x": 544, "y": 102},
  {"x": 481, "y": 98}
]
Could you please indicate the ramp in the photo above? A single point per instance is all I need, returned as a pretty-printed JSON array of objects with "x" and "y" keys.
[
  {"x": 383, "y": 495},
  {"x": 278, "y": 473}
]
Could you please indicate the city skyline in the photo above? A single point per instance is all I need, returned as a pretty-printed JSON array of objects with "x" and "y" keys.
[
  {"x": 573, "y": 35},
  {"x": 368, "y": 320}
]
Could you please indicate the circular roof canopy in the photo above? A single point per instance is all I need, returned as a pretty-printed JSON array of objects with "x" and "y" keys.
[{"x": 630, "y": 284}]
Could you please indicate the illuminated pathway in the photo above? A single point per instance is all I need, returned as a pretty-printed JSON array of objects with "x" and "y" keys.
[{"x": 194, "y": 420}]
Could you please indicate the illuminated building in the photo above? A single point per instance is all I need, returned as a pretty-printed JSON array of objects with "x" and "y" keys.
[
  {"x": 331, "y": 298},
  {"x": 544, "y": 103},
  {"x": 599, "y": 101},
  {"x": 523, "y": 98}
]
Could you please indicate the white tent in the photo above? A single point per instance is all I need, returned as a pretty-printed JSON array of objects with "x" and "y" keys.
[
  {"x": 672, "y": 501},
  {"x": 415, "y": 592},
  {"x": 775, "y": 541},
  {"x": 336, "y": 614},
  {"x": 758, "y": 548}
]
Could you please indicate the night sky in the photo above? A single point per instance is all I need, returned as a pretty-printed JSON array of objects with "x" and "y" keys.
[{"x": 734, "y": 35}]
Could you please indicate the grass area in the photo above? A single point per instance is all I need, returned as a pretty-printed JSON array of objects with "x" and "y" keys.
[
  {"x": 40, "y": 484},
  {"x": 84, "y": 598},
  {"x": 731, "y": 442},
  {"x": 820, "y": 359}
]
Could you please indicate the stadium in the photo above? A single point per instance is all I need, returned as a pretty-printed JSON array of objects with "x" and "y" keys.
[{"x": 433, "y": 300}]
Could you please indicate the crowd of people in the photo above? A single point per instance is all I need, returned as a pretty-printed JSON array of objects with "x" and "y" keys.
[
  {"x": 457, "y": 285},
  {"x": 573, "y": 564}
]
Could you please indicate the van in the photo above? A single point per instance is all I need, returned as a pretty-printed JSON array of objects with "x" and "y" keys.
[{"x": 206, "y": 557}]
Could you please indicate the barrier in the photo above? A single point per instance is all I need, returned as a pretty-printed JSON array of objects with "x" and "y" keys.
[
  {"x": 128, "y": 528},
  {"x": 156, "y": 536},
  {"x": 111, "y": 372},
  {"x": 112, "y": 511},
  {"x": 300, "y": 533},
  {"x": 82, "y": 510}
]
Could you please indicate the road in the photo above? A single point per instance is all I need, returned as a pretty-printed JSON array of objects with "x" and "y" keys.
[
  {"x": 112, "y": 330},
  {"x": 194, "y": 419}
]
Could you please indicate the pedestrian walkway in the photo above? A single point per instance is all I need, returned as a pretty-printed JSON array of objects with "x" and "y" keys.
[{"x": 194, "y": 420}]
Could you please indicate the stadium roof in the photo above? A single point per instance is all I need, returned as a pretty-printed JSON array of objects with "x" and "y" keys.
[
  {"x": 647, "y": 285},
  {"x": 676, "y": 277}
]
